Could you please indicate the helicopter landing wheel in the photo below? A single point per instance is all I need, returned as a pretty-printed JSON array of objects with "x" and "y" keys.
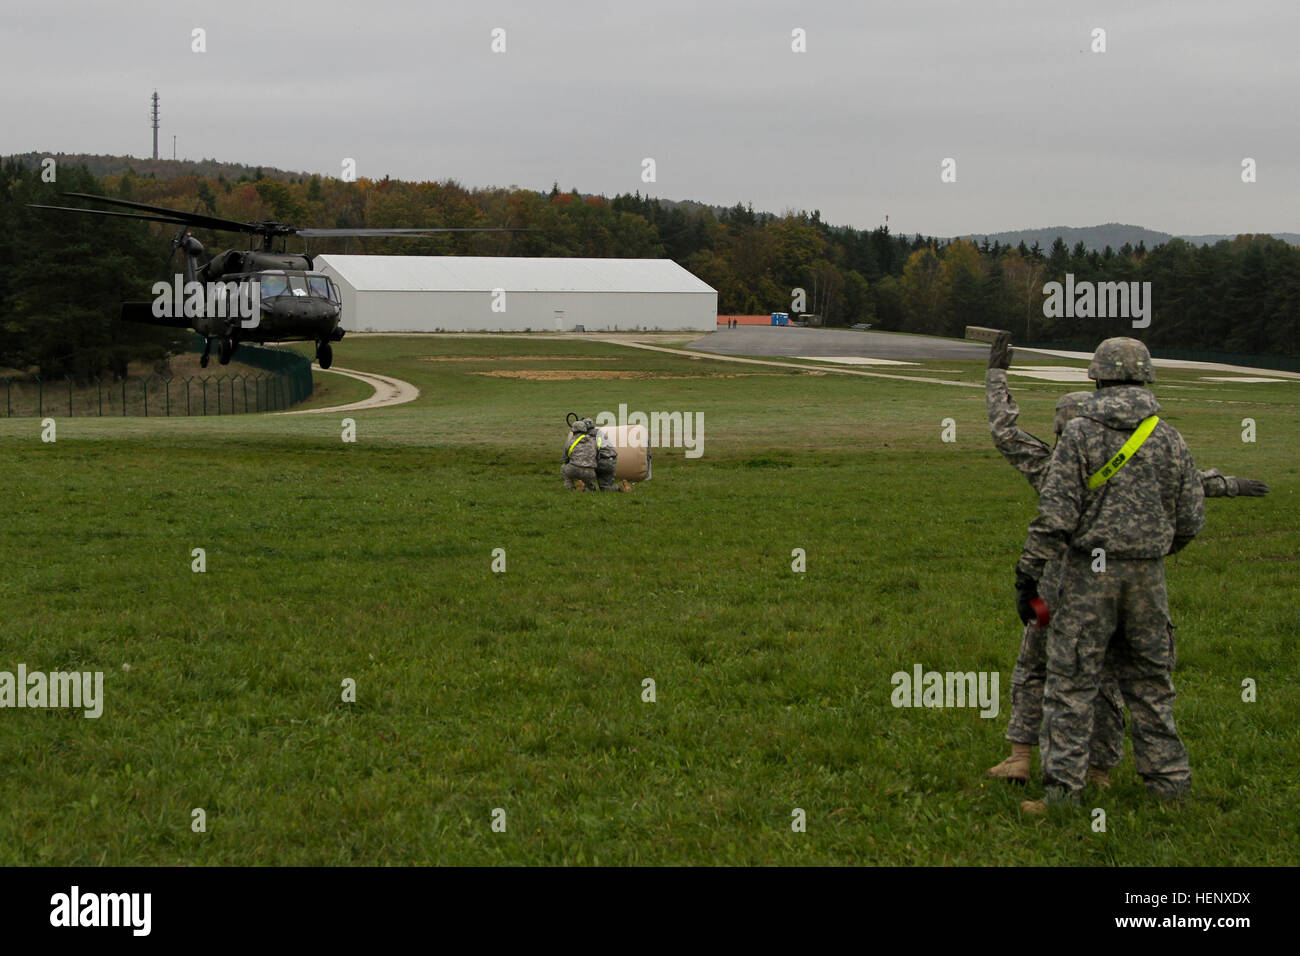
[
  {"x": 324, "y": 354},
  {"x": 207, "y": 353},
  {"x": 224, "y": 351}
]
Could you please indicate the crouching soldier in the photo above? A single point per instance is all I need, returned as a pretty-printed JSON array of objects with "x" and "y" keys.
[
  {"x": 579, "y": 469},
  {"x": 606, "y": 457}
]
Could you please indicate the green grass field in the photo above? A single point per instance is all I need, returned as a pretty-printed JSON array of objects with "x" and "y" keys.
[{"x": 522, "y": 690}]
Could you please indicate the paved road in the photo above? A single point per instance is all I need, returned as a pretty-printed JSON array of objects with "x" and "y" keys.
[
  {"x": 815, "y": 370},
  {"x": 791, "y": 342}
]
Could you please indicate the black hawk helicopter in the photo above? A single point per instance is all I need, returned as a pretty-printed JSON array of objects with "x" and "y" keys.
[{"x": 245, "y": 295}]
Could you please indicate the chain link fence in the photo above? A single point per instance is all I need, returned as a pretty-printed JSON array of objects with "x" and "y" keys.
[{"x": 285, "y": 380}]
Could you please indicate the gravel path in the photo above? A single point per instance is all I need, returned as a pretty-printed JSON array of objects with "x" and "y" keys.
[{"x": 388, "y": 391}]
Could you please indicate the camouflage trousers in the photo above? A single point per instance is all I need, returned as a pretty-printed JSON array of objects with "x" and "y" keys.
[
  {"x": 1106, "y": 746},
  {"x": 572, "y": 473},
  {"x": 605, "y": 471},
  {"x": 1123, "y": 613}
]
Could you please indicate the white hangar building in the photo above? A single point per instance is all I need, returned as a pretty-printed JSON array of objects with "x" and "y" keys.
[{"x": 510, "y": 294}]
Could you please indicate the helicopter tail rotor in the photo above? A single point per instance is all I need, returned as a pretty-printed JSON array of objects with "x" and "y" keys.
[
  {"x": 176, "y": 244},
  {"x": 190, "y": 247}
]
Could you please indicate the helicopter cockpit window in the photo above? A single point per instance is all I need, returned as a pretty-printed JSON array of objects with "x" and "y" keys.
[
  {"x": 272, "y": 286},
  {"x": 297, "y": 285},
  {"x": 319, "y": 286}
]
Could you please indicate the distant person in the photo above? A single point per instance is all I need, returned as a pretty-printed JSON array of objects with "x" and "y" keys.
[
  {"x": 579, "y": 468},
  {"x": 606, "y": 456},
  {"x": 1032, "y": 457}
]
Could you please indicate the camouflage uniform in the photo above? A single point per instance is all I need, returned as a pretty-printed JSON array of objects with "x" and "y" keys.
[
  {"x": 1219, "y": 485},
  {"x": 606, "y": 458},
  {"x": 1151, "y": 507},
  {"x": 579, "y": 457},
  {"x": 1032, "y": 457}
]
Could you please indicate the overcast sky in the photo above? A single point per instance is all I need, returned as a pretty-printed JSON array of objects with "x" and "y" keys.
[{"x": 1044, "y": 131}]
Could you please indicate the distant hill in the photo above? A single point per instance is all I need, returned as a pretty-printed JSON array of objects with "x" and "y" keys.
[
  {"x": 1111, "y": 234},
  {"x": 1291, "y": 237}
]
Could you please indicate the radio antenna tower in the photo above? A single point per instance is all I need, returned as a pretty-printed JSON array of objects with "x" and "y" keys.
[{"x": 154, "y": 115}]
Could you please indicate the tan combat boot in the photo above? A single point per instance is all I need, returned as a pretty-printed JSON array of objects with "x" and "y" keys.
[
  {"x": 1052, "y": 795},
  {"x": 625, "y": 486},
  {"x": 1100, "y": 777},
  {"x": 1016, "y": 767},
  {"x": 579, "y": 485}
]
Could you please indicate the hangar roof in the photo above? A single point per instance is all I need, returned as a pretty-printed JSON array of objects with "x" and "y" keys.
[{"x": 512, "y": 273}]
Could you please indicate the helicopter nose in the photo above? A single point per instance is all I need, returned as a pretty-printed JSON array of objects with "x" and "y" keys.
[
  {"x": 305, "y": 311},
  {"x": 302, "y": 307}
]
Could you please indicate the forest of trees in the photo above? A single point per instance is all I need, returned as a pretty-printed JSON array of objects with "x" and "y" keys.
[{"x": 62, "y": 277}]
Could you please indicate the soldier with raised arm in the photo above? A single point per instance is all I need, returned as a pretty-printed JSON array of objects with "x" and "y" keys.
[
  {"x": 1031, "y": 457},
  {"x": 1121, "y": 483}
]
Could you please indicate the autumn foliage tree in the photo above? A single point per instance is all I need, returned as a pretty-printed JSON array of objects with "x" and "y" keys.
[{"x": 60, "y": 284}]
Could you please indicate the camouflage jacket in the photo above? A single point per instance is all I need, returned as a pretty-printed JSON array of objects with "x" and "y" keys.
[
  {"x": 605, "y": 448},
  {"x": 1032, "y": 456},
  {"x": 1028, "y": 455},
  {"x": 580, "y": 450},
  {"x": 1150, "y": 507}
]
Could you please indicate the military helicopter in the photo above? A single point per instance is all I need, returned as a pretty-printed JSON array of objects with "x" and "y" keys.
[{"x": 244, "y": 295}]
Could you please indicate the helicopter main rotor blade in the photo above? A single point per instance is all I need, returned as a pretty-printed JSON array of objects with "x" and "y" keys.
[
  {"x": 397, "y": 233},
  {"x": 192, "y": 218},
  {"x": 264, "y": 229},
  {"x": 105, "y": 212}
]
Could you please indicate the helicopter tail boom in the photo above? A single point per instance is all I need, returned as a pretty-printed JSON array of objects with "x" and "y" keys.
[{"x": 143, "y": 314}]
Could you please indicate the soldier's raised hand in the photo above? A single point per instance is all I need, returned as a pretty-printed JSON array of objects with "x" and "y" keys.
[{"x": 1000, "y": 352}]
